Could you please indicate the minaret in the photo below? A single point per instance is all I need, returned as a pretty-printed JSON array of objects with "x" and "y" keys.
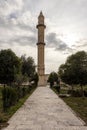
[{"x": 41, "y": 45}]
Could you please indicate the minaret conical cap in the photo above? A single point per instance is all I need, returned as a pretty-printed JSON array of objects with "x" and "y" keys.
[{"x": 41, "y": 14}]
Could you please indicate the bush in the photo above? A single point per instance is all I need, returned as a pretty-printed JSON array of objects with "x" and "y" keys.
[
  {"x": 22, "y": 91},
  {"x": 3, "y": 118},
  {"x": 75, "y": 93},
  {"x": 9, "y": 97},
  {"x": 25, "y": 91},
  {"x": 19, "y": 92},
  {"x": 57, "y": 87},
  {"x": 85, "y": 93}
]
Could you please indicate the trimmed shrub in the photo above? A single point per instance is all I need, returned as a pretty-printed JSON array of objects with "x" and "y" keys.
[
  {"x": 57, "y": 87},
  {"x": 9, "y": 97}
]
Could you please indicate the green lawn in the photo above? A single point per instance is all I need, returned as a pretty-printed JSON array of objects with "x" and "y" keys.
[
  {"x": 62, "y": 91},
  {"x": 4, "y": 116},
  {"x": 79, "y": 105}
]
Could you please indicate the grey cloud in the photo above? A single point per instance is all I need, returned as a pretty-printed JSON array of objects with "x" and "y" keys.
[
  {"x": 62, "y": 47},
  {"x": 26, "y": 27},
  {"x": 24, "y": 40},
  {"x": 21, "y": 40},
  {"x": 64, "y": 8},
  {"x": 8, "y": 23},
  {"x": 13, "y": 15},
  {"x": 80, "y": 43},
  {"x": 58, "y": 44},
  {"x": 51, "y": 39},
  {"x": 13, "y": 20},
  {"x": 4, "y": 42}
]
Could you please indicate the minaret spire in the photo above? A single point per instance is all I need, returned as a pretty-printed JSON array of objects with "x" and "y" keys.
[
  {"x": 41, "y": 12},
  {"x": 41, "y": 46}
]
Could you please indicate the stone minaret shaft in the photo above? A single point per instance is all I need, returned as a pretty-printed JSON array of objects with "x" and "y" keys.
[{"x": 40, "y": 45}]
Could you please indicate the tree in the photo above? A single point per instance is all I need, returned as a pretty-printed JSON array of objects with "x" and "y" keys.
[
  {"x": 9, "y": 66},
  {"x": 28, "y": 66},
  {"x": 35, "y": 79},
  {"x": 74, "y": 71},
  {"x": 20, "y": 79},
  {"x": 53, "y": 77}
]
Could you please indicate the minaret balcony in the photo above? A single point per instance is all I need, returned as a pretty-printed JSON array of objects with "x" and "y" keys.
[
  {"x": 40, "y": 43},
  {"x": 41, "y": 25}
]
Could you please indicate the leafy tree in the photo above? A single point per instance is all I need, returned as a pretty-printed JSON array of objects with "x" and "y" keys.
[
  {"x": 36, "y": 79},
  {"x": 28, "y": 66},
  {"x": 74, "y": 71},
  {"x": 53, "y": 77},
  {"x": 20, "y": 79},
  {"x": 9, "y": 66}
]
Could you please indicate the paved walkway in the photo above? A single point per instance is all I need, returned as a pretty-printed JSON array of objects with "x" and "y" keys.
[{"x": 44, "y": 110}]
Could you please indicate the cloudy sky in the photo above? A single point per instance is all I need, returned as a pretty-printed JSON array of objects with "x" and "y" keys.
[{"x": 66, "y": 32}]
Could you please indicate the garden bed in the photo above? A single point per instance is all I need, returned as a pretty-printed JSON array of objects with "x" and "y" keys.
[{"x": 4, "y": 116}]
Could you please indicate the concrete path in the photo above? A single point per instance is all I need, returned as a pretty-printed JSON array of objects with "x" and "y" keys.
[{"x": 44, "y": 110}]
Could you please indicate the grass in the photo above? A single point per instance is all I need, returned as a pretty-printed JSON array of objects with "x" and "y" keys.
[
  {"x": 4, "y": 116},
  {"x": 79, "y": 88},
  {"x": 78, "y": 104},
  {"x": 62, "y": 91}
]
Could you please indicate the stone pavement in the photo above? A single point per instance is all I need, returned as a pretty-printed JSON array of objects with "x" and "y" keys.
[{"x": 44, "y": 110}]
